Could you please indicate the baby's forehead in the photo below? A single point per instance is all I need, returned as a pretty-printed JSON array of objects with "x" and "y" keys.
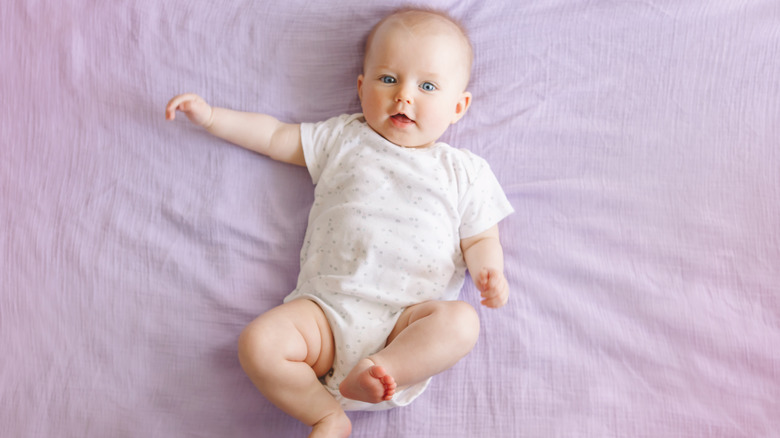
[{"x": 423, "y": 24}]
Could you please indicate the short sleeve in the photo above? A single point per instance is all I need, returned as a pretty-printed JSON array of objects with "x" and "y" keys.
[
  {"x": 483, "y": 204},
  {"x": 318, "y": 140}
]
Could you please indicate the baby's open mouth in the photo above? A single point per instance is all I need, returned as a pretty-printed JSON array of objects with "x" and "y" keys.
[{"x": 401, "y": 118}]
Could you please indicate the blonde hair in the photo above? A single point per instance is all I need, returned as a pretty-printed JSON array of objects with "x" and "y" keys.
[{"x": 425, "y": 11}]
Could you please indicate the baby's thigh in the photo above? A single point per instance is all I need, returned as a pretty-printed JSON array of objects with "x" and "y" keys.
[{"x": 296, "y": 331}]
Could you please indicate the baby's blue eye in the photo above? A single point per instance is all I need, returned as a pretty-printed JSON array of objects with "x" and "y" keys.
[
  {"x": 387, "y": 79},
  {"x": 427, "y": 86}
]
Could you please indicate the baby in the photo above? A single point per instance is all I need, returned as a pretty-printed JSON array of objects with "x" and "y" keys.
[{"x": 397, "y": 219}]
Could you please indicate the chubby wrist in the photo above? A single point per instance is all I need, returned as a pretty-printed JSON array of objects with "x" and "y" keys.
[{"x": 209, "y": 123}]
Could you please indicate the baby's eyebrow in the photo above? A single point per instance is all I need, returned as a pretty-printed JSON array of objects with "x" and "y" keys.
[{"x": 432, "y": 75}]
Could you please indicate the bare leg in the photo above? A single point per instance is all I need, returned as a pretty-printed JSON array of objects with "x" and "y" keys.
[
  {"x": 429, "y": 338},
  {"x": 283, "y": 352}
]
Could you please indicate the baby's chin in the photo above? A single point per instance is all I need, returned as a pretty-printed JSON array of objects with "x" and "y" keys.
[{"x": 399, "y": 142}]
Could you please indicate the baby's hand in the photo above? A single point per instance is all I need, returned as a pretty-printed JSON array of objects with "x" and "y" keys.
[
  {"x": 193, "y": 106},
  {"x": 494, "y": 287}
]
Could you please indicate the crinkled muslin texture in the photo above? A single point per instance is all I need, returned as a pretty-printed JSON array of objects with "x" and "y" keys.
[{"x": 638, "y": 143}]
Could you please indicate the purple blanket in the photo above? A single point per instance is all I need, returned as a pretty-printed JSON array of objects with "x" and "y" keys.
[{"x": 638, "y": 141}]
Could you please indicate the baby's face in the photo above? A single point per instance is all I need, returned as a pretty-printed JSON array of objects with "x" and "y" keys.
[{"x": 412, "y": 87}]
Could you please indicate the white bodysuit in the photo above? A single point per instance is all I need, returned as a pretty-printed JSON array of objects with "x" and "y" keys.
[{"x": 384, "y": 233}]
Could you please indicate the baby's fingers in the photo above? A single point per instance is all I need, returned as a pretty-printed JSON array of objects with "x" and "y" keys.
[
  {"x": 488, "y": 280},
  {"x": 495, "y": 298},
  {"x": 182, "y": 102},
  {"x": 173, "y": 104},
  {"x": 491, "y": 292},
  {"x": 170, "y": 113},
  {"x": 493, "y": 303},
  {"x": 494, "y": 288}
]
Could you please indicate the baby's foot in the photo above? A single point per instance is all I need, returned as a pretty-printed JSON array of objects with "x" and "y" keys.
[
  {"x": 335, "y": 425},
  {"x": 368, "y": 382}
]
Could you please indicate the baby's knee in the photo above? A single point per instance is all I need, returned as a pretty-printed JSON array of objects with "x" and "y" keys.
[
  {"x": 255, "y": 347},
  {"x": 464, "y": 322}
]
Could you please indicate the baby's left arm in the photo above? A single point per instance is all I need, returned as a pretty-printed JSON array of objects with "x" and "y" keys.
[{"x": 485, "y": 260}]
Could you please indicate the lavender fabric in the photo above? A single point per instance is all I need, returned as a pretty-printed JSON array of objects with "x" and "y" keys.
[{"x": 638, "y": 142}]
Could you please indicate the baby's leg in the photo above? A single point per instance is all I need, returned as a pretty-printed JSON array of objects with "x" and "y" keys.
[
  {"x": 428, "y": 338},
  {"x": 283, "y": 352}
]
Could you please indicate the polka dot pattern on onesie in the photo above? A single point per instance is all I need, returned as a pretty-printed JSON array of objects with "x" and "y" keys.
[{"x": 384, "y": 230}]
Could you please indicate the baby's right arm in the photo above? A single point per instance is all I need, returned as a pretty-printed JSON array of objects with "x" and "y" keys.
[{"x": 260, "y": 133}]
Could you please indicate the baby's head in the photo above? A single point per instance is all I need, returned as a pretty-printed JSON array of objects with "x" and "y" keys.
[{"x": 416, "y": 69}]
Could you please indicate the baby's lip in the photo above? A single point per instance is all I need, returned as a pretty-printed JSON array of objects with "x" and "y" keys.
[{"x": 402, "y": 118}]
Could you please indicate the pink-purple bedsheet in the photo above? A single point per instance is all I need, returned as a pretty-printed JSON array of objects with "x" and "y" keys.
[{"x": 638, "y": 141}]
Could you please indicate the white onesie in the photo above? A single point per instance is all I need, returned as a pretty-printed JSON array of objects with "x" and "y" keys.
[{"x": 384, "y": 233}]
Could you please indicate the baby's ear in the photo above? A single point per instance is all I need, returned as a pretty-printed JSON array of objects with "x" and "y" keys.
[
  {"x": 360, "y": 87},
  {"x": 462, "y": 106}
]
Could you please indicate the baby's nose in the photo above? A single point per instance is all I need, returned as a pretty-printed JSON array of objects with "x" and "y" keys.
[{"x": 404, "y": 96}]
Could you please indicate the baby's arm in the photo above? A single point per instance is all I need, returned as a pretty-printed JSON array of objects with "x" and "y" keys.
[
  {"x": 485, "y": 260},
  {"x": 257, "y": 132}
]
